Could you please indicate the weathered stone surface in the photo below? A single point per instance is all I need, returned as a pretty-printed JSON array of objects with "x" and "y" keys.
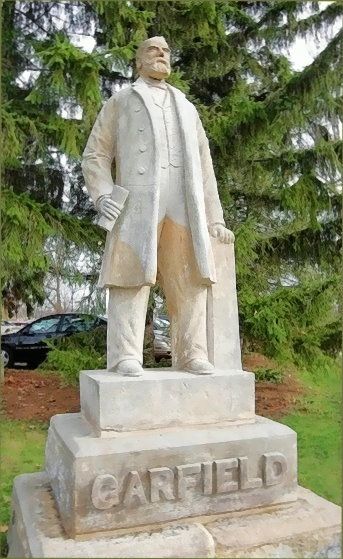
[
  {"x": 155, "y": 476},
  {"x": 172, "y": 212},
  {"x": 310, "y": 527},
  {"x": 165, "y": 398},
  {"x": 37, "y": 532},
  {"x": 223, "y": 341}
]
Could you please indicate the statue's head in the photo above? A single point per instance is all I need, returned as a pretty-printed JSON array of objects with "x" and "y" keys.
[{"x": 153, "y": 58}]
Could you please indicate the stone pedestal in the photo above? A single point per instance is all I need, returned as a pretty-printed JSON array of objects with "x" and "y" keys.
[
  {"x": 149, "y": 462},
  {"x": 307, "y": 527},
  {"x": 164, "y": 446},
  {"x": 163, "y": 398},
  {"x": 154, "y": 476}
]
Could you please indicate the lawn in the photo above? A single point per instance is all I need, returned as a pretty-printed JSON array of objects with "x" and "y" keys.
[
  {"x": 317, "y": 421},
  {"x": 318, "y": 424},
  {"x": 22, "y": 451}
]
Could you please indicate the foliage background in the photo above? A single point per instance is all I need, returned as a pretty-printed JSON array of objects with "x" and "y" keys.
[{"x": 275, "y": 137}]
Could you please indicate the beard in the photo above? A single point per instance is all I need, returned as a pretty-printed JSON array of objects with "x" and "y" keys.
[{"x": 157, "y": 70}]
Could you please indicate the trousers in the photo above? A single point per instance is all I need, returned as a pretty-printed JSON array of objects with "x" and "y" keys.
[{"x": 180, "y": 280}]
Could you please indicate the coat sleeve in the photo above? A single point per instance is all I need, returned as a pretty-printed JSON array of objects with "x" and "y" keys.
[
  {"x": 214, "y": 212},
  {"x": 99, "y": 152}
]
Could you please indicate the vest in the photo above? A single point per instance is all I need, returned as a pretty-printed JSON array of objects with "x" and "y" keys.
[{"x": 169, "y": 130}]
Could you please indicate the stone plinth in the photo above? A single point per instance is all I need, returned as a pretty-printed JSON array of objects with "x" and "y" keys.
[
  {"x": 223, "y": 342},
  {"x": 163, "y": 398},
  {"x": 309, "y": 527},
  {"x": 154, "y": 476}
]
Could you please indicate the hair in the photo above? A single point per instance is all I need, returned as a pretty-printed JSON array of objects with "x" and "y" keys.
[{"x": 144, "y": 44}]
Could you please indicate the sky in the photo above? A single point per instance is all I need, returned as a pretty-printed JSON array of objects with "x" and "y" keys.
[{"x": 304, "y": 51}]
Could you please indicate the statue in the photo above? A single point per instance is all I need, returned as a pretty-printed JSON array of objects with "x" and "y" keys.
[
  {"x": 165, "y": 205},
  {"x": 163, "y": 447}
]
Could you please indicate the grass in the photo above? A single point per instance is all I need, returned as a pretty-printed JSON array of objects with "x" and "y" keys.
[
  {"x": 22, "y": 451},
  {"x": 268, "y": 374},
  {"x": 318, "y": 424}
]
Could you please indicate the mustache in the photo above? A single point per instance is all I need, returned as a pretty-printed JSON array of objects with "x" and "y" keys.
[{"x": 161, "y": 60}]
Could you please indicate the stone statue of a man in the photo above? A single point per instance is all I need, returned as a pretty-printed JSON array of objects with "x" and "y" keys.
[{"x": 162, "y": 159}]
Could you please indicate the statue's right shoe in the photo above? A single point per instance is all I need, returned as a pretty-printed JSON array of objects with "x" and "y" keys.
[
  {"x": 199, "y": 367},
  {"x": 128, "y": 368}
]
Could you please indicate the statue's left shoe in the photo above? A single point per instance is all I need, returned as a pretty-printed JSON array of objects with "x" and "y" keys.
[
  {"x": 199, "y": 367},
  {"x": 128, "y": 368}
]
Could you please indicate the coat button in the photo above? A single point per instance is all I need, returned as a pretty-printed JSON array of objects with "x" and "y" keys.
[
  {"x": 142, "y": 149},
  {"x": 137, "y": 108},
  {"x": 141, "y": 129},
  {"x": 141, "y": 170}
]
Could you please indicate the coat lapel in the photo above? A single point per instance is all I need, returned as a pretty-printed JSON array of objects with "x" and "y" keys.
[
  {"x": 193, "y": 187},
  {"x": 182, "y": 110}
]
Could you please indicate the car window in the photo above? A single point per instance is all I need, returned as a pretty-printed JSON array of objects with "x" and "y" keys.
[
  {"x": 77, "y": 324},
  {"x": 44, "y": 326}
]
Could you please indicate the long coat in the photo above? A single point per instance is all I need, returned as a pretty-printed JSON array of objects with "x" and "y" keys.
[{"x": 126, "y": 131}]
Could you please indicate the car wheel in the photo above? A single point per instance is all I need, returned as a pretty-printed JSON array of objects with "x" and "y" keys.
[{"x": 6, "y": 357}]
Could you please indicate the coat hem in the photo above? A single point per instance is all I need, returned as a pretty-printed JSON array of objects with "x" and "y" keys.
[{"x": 108, "y": 285}]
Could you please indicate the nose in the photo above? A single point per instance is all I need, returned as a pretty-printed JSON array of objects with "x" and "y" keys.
[{"x": 161, "y": 52}]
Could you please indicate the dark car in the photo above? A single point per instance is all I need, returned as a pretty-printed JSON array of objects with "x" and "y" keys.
[
  {"x": 162, "y": 342},
  {"x": 27, "y": 345}
]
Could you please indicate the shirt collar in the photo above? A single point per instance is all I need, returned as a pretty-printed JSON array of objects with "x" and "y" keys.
[{"x": 151, "y": 82}]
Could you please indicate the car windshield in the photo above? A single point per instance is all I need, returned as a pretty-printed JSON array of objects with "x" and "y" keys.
[
  {"x": 77, "y": 323},
  {"x": 45, "y": 326}
]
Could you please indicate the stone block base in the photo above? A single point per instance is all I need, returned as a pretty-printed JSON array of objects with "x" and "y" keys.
[
  {"x": 309, "y": 527},
  {"x": 143, "y": 477},
  {"x": 163, "y": 398}
]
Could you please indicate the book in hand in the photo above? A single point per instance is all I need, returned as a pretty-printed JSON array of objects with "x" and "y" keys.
[{"x": 119, "y": 195}]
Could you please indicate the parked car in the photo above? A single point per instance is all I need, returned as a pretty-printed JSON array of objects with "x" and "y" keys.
[
  {"x": 162, "y": 343},
  {"x": 28, "y": 344}
]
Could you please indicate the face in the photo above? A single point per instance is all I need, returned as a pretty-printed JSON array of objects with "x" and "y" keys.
[{"x": 155, "y": 60}]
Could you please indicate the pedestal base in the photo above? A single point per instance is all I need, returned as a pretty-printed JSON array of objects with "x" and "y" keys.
[
  {"x": 309, "y": 527},
  {"x": 143, "y": 477},
  {"x": 163, "y": 398}
]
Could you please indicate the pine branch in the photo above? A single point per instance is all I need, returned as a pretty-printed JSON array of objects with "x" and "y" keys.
[
  {"x": 296, "y": 97},
  {"x": 80, "y": 231},
  {"x": 300, "y": 156},
  {"x": 323, "y": 243},
  {"x": 312, "y": 24},
  {"x": 312, "y": 75},
  {"x": 270, "y": 19}
]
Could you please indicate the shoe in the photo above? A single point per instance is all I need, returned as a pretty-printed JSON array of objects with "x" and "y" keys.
[
  {"x": 129, "y": 368},
  {"x": 199, "y": 367}
]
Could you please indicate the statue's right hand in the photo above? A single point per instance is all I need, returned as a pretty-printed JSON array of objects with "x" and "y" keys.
[{"x": 108, "y": 208}]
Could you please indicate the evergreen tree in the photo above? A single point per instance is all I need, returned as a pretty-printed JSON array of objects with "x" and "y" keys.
[
  {"x": 42, "y": 194},
  {"x": 274, "y": 135}
]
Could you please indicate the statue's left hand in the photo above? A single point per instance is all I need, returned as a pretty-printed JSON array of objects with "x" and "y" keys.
[{"x": 220, "y": 232}]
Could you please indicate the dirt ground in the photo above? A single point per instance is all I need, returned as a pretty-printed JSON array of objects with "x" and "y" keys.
[
  {"x": 273, "y": 400},
  {"x": 37, "y": 395}
]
